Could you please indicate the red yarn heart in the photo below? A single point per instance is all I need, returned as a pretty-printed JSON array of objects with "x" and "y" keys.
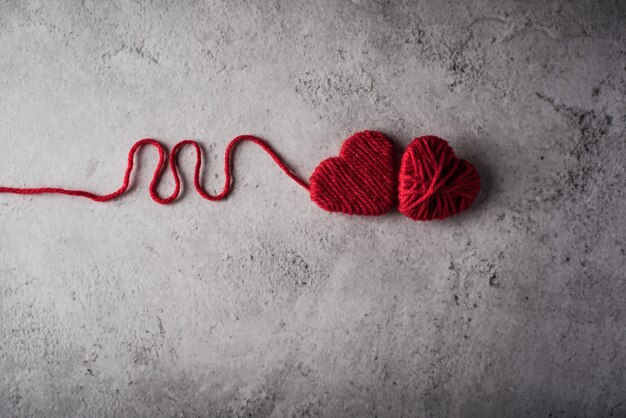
[
  {"x": 433, "y": 183},
  {"x": 360, "y": 181}
]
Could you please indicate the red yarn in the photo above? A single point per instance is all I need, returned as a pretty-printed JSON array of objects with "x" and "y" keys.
[
  {"x": 360, "y": 181},
  {"x": 174, "y": 169},
  {"x": 433, "y": 183}
]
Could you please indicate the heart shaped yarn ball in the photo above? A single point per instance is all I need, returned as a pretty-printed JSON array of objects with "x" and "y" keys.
[
  {"x": 433, "y": 183},
  {"x": 360, "y": 181}
]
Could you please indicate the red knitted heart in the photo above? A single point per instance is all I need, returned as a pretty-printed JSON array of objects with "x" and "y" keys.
[
  {"x": 433, "y": 183},
  {"x": 360, "y": 181}
]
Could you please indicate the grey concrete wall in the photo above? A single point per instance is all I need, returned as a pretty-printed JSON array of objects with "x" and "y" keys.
[{"x": 264, "y": 305}]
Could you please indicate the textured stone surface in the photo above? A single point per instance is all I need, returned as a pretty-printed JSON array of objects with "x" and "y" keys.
[{"x": 265, "y": 305}]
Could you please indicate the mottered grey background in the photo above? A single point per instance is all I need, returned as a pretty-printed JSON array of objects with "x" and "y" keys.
[{"x": 265, "y": 305}]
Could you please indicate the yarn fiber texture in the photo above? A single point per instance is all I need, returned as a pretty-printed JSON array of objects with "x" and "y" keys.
[
  {"x": 360, "y": 181},
  {"x": 433, "y": 183}
]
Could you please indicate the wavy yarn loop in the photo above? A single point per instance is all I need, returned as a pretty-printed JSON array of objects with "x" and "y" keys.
[{"x": 158, "y": 172}]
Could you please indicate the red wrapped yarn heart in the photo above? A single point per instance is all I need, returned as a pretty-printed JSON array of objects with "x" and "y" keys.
[
  {"x": 433, "y": 183},
  {"x": 360, "y": 181}
]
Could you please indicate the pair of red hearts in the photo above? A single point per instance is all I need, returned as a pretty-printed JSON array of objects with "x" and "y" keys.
[{"x": 432, "y": 183}]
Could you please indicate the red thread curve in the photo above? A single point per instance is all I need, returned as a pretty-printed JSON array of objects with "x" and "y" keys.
[{"x": 156, "y": 178}]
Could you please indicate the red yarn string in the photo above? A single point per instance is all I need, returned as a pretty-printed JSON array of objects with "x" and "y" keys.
[{"x": 156, "y": 178}]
